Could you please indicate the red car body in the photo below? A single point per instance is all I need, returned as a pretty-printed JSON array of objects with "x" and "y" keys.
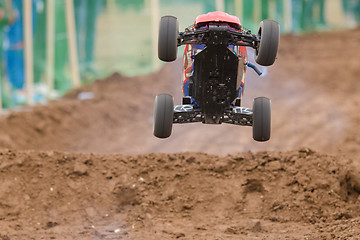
[{"x": 191, "y": 50}]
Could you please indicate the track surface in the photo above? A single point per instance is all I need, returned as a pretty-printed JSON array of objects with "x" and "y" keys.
[{"x": 56, "y": 182}]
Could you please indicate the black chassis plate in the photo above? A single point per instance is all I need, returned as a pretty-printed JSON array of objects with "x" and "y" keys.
[{"x": 214, "y": 81}]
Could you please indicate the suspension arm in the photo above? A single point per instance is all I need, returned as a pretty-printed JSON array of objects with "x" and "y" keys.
[{"x": 218, "y": 35}]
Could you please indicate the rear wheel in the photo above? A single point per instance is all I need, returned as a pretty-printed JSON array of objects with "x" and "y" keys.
[
  {"x": 167, "y": 44},
  {"x": 163, "y": 115},
  {"x": 269, "y": 33},
  {"x": 261, "y": 119}
]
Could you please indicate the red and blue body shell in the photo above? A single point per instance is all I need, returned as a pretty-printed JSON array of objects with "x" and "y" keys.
[{"x": 192, "y": 49}]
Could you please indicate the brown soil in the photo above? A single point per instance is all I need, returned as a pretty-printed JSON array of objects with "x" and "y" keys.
[{"x": 71, "y": 172}]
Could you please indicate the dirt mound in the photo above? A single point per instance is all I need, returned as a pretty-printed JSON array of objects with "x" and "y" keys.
[{"x": 191, "y": 195}]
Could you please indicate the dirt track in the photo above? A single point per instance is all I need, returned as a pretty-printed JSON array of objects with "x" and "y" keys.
[{"x": 54, "y": 183}]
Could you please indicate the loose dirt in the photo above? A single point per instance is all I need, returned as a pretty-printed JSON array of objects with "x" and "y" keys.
[{"x": 91, "y": 169}]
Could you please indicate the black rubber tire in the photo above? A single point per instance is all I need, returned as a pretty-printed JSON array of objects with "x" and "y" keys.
[
  {"x": 167, "y": 43},
  {"x": 163, "y": 115},
  {"x": 261, "y": 119},
  {"x": 269, "y": 33}
]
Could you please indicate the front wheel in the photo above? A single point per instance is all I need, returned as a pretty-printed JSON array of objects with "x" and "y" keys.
[
  {"x": 261, "y": 119},
  {"x": 167, "y": 44},
  {"x": 163, "y": 115},
  {"x": 269, "y": 34}
]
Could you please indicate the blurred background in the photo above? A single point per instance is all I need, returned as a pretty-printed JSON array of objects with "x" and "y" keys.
[{"x": 48, "y": 47}]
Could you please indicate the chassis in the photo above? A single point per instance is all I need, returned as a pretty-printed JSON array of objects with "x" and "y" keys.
[{"x": 215, "y": 76}]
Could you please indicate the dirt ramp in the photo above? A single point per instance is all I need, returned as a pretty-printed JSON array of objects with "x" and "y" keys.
[{"x": 185, "y": 195}]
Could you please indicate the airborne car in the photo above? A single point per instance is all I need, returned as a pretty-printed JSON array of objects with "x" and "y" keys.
[{"x": 215, "y": 62}]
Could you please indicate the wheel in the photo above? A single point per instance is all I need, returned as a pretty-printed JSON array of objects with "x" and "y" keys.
[
  {"x": 261, "y": 119},
  {"x": 163, "y": 115},
  {"x": 269, "y": 33},
  {"x": 167, "y": 44}
]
